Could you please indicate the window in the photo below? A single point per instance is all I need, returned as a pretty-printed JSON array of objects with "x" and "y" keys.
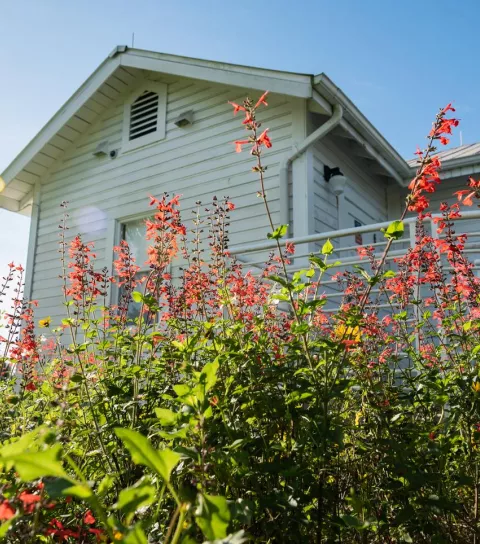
[
  {"x": 358, "y": 236},
  {"x": 144, "y": 116},
  {"x": 134, "y": 233}
]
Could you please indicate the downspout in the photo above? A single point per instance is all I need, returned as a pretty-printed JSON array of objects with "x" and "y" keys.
[{"x": 299, "y": 150}]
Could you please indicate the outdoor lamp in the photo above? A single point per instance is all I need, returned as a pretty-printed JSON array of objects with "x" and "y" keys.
[{"x": 336, "y": 179}]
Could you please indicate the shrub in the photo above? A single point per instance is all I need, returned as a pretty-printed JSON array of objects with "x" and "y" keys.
[{"x": 236, "y": 407}]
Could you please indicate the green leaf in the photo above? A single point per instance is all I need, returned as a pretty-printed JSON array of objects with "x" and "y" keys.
[
  {"x": 105, "y": 485},
  {"x": 143, "y": 453},
  {"x": 4, "y": 527},
  {"x": 81, "y": 491},
  {"x": 33, "y": 465},
  {"x": 23, "y": 444},
  {"x": 279, "y": 279},
  {"x": 178, "y": 433},
  {"x": 55, "y": 487},
  {"x": 352, "y": 521},
  {"x": 394, "y": 231},
  {"x": 137, "y": 297},
  {"x": 135, "y": 536},
  {"x": 181, "y": 389},
  {"x": 131, "y": 499},
  {"x": 278, "y": 233},
  {"x": 327, "y": 248},
  {"x": 77, "y": 378},
  {"x": 166, "y": 417},
  {"x": 297, "y": 396},
  {"x": 213, "y": 516},
  {"x": 208, "y": 375}
]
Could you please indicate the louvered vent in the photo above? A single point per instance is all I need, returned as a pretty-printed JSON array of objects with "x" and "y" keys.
[{"x": 144, "y": 115}]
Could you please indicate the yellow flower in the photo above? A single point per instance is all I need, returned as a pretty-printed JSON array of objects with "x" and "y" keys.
[
  {"x": 348, "y": 333},
  {"x": 45, "y": 323},
  {"x": 118, "y": 535},
  {"x": 358, "y": 417},
  {"x": 476, "y": 387}
]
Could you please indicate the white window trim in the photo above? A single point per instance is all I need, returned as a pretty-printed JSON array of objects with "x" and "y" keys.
[
  {"x": 114, "y": 237},
  {"x": 159, "y": 134}
]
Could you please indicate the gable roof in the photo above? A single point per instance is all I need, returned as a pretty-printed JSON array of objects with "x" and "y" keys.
[{"x": 119, "y": 71}]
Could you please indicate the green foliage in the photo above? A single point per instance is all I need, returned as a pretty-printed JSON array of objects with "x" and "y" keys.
[
  {"x": 162, "y": 462},
  {"x": 213, "y": 516},
  {"x": 237, "y": 408},
  {"x": 278, "y": 233},
  {"x": 394, "y": 231}
]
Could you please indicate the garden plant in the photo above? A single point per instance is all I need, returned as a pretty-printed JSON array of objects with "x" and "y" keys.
[{"x": 235, "y": 407}]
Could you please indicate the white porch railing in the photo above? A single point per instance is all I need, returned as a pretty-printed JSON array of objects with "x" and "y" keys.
[{"x": 348, "y": 241}]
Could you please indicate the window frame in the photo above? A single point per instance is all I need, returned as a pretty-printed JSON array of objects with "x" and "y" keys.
[
  {"x": 119, "y": 234},
  {"x": 161, "y": 90}
]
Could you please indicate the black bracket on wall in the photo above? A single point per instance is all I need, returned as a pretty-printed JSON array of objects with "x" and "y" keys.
[{"x": 330, "y": 172}]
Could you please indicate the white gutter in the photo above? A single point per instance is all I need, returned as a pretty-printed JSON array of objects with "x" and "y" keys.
[{"x": 287, "y": 161}]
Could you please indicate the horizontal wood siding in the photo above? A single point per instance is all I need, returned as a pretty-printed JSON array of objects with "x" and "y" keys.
[
  {"x": 363, "y": 193},
  {"x": 197, "y": 162},
  {"x": 365, "y": 198}
]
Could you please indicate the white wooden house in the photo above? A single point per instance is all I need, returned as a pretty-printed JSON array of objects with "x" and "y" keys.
[{"x": 148, "y": 123}]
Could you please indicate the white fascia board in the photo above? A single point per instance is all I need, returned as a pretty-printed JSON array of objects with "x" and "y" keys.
[
  {"x": 73, "y": 104},
  {"x": 325, "y": 86},
  {"x": 298, "y": 85},
  {"x": 9, "y": 204}
]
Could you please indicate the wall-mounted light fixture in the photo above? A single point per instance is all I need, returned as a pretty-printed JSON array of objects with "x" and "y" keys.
[
  {"x": 102, "y": 149},
  {"x": 336, "y": 179},
  {"x": 184, "y": 119}
]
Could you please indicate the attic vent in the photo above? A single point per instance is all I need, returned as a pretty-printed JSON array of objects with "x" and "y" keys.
[{"x": 144, "y": 115}]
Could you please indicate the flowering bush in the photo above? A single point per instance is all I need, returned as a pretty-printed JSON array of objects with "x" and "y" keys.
[{"x": 236, "y": 407}]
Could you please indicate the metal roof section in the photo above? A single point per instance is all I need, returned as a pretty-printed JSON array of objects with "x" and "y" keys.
[
  {"x": 463, "y": 160},
  {"x": 460, "y": 152}
]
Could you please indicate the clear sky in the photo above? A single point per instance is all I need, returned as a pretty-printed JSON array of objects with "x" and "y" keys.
[{"x": 397, "y": 60}]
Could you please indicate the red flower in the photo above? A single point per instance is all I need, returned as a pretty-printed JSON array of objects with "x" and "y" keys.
[
  {"x": 57, "y": 529},
  {"x": 239, "y": 143},
  {"x": 88, "y": 518},
  {"x": 263, "y": 139},
  {"x": 248, "y": 119},
  {"x": 6, "y": 511},
  {"x": 236, "y": 108},
  {"x": 444, "y": 141},
  {"x": 468, "y": 199},
  {"x": 29, "y": 500},
  {"x": 261, "y": 100},
  {"x": 448, "y": 107},
  {"x": 30, "y": 387}
]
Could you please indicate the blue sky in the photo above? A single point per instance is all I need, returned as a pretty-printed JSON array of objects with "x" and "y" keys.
[{"x": 398, "y": 61}]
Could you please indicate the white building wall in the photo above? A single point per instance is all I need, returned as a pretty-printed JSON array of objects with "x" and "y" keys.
[
  {"x": 365, "y": 197},
  {"x": 197, "y": 162}
]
